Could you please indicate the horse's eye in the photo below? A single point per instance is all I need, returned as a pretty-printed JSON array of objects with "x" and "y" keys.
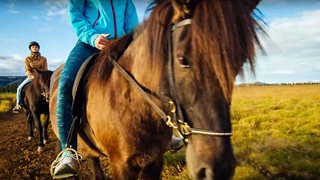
[{"x": 183, "y": 62}]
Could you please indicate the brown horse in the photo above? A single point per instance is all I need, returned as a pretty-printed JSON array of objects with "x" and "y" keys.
[
  {"x": 192, "y": 65},
  {"x": 36, "y": 102}
]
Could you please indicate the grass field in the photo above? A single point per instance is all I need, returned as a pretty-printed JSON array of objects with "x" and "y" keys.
[
  {"x": 276, "y": 133},
  {"x": 6, "y": 101}
]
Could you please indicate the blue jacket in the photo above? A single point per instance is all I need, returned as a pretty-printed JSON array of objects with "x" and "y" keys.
[{"x": 90, "y": 18}]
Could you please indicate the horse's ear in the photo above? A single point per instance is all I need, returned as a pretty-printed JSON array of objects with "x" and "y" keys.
[
  {"x": 252, "y": 4},
  {"x": 183, "y": 9}
]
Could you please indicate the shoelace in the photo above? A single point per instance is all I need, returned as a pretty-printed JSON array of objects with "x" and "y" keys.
[{"x": 73, "y": 155}]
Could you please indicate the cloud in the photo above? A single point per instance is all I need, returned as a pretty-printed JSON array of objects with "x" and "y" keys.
[
  {"x": 56, "y": 8},
  {"x": 35, "y": 17},
  {"x": 45, "y": 29},
  {"x": 11, "y": 65},
  {"x": 293, "y": 48},
  {"x": 4, "y": 57},
  {"x": 12, "y": 8},
  {"x": 55, "y": 63}
]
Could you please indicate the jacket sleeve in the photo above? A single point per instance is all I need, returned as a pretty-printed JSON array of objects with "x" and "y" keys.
[
  {"x": 131, "y": 17},
  {"x": 80, "y": 24},
  {"x": 27, "y": 68}
]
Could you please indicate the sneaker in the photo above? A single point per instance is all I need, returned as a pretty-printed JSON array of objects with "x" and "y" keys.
[
  {"x": 16, "y": 109},
  {"x": 66, "y": 165},
  {"x": 176, "y": 144}
]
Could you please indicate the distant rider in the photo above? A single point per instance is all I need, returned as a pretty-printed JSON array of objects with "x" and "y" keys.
[{"x": 33, "y": 61}]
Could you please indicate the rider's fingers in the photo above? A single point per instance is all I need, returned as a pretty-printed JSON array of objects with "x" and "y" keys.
[{"x": 105, "y": 35}]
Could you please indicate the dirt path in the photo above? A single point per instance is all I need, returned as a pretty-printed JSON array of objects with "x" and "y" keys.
[{"x": 19, "y": 158}]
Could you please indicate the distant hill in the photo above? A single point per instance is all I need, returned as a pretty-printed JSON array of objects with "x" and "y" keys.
[
  {"x": 257, "y": 83},
  {"x": 10, "y": 83},
  {"x": 11, "y": 80}
]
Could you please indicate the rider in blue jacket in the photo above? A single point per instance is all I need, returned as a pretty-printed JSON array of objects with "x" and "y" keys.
[{"x": 96, "y": 22}]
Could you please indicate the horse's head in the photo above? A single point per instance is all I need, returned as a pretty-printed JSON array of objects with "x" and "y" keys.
[
  {"x": 210, "y": 41},
  {"x": 42, "y": 78}
]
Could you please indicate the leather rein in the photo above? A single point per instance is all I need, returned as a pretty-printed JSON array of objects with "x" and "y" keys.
[{"x": 174, "y": 120}]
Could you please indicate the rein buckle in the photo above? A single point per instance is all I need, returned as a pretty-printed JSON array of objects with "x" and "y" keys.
[{"x": 185, "y": 129}]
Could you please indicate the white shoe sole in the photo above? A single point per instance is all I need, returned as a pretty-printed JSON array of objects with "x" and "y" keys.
[{"x": 63, "y": 176}]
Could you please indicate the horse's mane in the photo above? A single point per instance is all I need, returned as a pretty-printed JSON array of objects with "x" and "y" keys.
[
  {"x": 44, "y": 76},
  {"x": 223, "y": 37},
  {"x": 114, "y": 51}
]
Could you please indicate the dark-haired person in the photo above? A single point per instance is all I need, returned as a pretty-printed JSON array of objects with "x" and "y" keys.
[{"x": 33, "y": 61}]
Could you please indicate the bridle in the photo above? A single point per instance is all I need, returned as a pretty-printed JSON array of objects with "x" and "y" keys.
[{"x": 175, "y": 119}]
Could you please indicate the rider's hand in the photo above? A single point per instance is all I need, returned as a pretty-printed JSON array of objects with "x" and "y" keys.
[{"x": 101, "y": 42}]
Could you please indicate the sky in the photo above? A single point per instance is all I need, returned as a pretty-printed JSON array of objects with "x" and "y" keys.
[{"x": 292, "y": 45}]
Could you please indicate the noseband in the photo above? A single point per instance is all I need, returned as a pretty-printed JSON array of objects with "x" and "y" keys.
[{"x": 176, "y": 119}]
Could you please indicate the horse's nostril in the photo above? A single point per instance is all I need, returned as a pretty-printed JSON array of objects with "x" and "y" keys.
[{"x": 202, "y": 173}]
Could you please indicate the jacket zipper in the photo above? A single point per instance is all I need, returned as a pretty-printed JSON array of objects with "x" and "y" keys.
[{"x": 114, "y": 20}]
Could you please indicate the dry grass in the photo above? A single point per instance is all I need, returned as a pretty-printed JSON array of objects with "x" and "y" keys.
[
  {"x": 276, "y": 133},
  {"x": 6, "y": 101}
]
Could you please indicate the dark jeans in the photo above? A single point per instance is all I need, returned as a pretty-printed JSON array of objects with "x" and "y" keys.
[{"x": 77, "y": 56}]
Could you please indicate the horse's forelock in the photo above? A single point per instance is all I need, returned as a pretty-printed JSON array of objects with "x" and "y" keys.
[{"x": 223, "y": 33}]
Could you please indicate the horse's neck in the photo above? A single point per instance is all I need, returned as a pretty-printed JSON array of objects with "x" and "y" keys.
[
  {"x": 142, "y": 67},
  {"x": 137, "y": 63},
  {"x": 35, "y": 83}
]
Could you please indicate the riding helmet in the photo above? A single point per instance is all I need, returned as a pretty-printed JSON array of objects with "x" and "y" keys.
[{"x": 34, "y": 43}]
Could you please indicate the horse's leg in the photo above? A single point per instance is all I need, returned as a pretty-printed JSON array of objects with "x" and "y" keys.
[
  {"x": 45, "y": 129},
  {"x": 153, "y": 170},
  {"x": 36, "y": 117},
  {"x": 96, "y": 168},
  {"x": 30, "y": 125}
]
